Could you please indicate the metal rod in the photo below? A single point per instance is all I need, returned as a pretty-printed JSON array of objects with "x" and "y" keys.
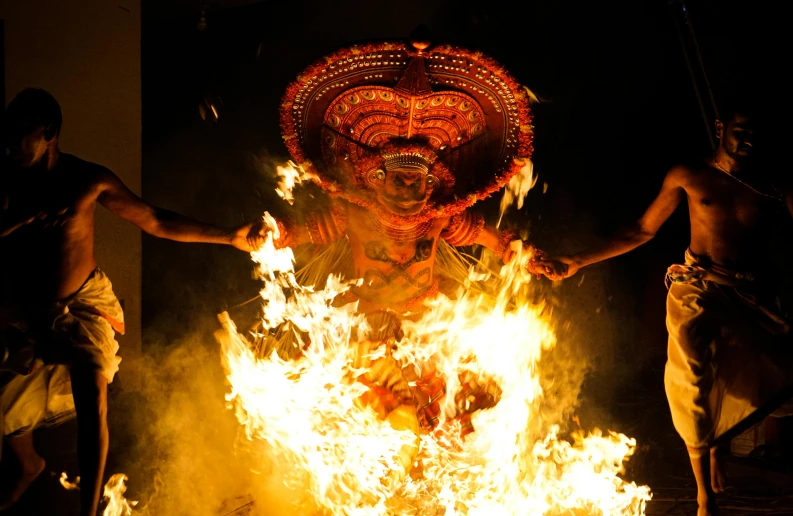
[
  {"x": 693, "y": 77},
  {"x": 699, "y": 58}
]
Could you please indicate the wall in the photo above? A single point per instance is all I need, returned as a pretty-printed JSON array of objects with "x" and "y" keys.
[{"x": 87, "y": 54}]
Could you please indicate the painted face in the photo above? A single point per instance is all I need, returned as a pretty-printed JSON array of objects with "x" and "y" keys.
[{"x": 404, "y": 191}]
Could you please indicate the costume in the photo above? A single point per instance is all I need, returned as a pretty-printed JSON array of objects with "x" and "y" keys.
[
  {"x": 383, "y": 396},
  {"x": 729, "y": 349},
  {"x": 448, "y": 119},
  {"x": 76, "y": 332}
]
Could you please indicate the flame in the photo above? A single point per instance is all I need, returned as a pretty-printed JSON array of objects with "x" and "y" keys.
[
  {"x": 350, "y": 460},
  {"x": 289, "y": 176},
  {"x": 69, "y": 486},
  {"x": 117, "y": 505},
  {"x": 518, "y": 187}
]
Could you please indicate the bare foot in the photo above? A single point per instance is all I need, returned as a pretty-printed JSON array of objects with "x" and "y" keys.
[
  {"x": 708, "y": 507},
  {"x": 718, "y": 472},
  {"x": 30, "y": 473}
]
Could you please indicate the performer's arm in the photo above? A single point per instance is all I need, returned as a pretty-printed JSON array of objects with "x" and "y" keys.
[
  {"x": 116, "y": 197},
  {"x": 628, "y": 237},
  {"x": 10, "y": 221},
  {"x": 8, "y": 224},
  {"x": 469, "y": 228},
  {"x": 325, "y": 226}
]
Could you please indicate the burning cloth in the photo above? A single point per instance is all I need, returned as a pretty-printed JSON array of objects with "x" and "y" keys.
[
  {"x": 729, "y": 349},
  {"x": 78, "y": 331}
]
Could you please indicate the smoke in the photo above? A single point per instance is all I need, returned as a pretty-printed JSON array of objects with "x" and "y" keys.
[{"x": 190, "y": 455}]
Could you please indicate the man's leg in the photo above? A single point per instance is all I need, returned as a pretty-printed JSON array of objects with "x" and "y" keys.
[
  {"x": 90, "y": 399},
  {"x": 31, "y": 464},
  {"x": 706, "y": 498},
  {"x": 718, "y": 473}
]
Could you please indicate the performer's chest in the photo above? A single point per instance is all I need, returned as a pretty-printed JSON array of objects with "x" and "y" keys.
[
  {"x": 31, "y": 196},
  {"x": 384, "y": 254},
  {"x": 731, "y": 204}
]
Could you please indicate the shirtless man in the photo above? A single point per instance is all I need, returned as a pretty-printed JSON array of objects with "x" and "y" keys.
[
  {"x": 54, "y": 295},
  {"x": 724, "y": 357}
]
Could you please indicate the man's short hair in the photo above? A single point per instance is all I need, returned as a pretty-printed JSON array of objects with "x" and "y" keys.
[
  {"x": 35, "y": 106},
  {"x": 741, "y": 101}
]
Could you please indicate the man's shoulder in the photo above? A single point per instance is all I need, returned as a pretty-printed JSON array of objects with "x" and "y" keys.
[
  {"x": 683, "y": 173},
  {"x": 74, "y": 163},
  {"x": 689, "y": 172},
  {"x": 86, "y": 170}
]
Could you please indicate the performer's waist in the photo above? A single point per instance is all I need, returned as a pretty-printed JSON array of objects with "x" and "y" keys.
[{"x": 697, "y": 268}]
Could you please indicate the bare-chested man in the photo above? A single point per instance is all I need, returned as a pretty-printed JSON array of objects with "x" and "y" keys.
[
  {"x": 53, "y": 294},
  {"x": 727, "y": 353}
]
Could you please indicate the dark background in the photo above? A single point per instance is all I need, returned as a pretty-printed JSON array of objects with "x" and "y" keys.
[{"x": 619, "y": 110}]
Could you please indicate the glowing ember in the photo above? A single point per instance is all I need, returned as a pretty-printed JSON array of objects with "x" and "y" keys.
[
  {"x": 69, "y": 486},
  {"x": 351, "y": 460}
]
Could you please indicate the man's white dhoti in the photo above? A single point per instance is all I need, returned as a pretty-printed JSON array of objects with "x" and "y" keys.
[
  {"x": 729, "y": 350},
  {"x": 78, "y": 332}
]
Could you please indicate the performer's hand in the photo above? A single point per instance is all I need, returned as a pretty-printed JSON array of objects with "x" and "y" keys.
[
  {"x": 557, "y": 268},
  {"x": 534, "y": 265},
  {"x": 250, "y": 237}
]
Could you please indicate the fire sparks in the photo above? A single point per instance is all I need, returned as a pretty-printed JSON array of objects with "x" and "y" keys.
[
  {"x": 316, "y": 414},
  {"x": 289, "y": 176},
  {"x": 517, "y": 188}
]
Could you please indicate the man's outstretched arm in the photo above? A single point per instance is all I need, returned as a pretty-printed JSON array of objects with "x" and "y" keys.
[
  {"x": 628, "y": 237},
  {"x": 116, "y": 197}
]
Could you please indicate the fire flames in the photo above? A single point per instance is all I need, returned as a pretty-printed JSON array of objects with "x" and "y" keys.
[
  {"x": 117, "y": 504},
  {"x": 310, "y": 414},
  {"x": 307, "y": 412},
  {"x": 113, "y": 495}
]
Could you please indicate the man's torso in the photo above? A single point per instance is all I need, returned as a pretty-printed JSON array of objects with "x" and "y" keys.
[
  {"x": 42, "y": 263},
  {"x": 729, "y": 217},
  {"x": 394, "y": 270}
]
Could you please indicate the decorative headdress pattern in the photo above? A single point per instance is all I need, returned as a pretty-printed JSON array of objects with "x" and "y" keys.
[{"x": 446, "y": 111}]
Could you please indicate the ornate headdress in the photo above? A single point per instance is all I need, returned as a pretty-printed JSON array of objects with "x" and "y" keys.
[{"x": 446, "y": 111}]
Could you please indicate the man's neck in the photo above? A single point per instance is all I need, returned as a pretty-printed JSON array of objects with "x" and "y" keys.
[{"x": 726, "y": 163}]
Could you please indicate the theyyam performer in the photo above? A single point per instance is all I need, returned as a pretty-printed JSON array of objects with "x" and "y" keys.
[{"x": 403, "y": 140}]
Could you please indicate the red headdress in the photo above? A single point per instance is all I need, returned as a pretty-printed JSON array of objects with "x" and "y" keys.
[{"x": 452, "y": 113}]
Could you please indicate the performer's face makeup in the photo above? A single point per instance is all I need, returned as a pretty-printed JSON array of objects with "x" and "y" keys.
[{"x": 404, "y": 191}]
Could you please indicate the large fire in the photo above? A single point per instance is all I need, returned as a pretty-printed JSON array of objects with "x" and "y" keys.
[
  {"x": 317, "y": 418},
  {"x": 351, "y": 460}
]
